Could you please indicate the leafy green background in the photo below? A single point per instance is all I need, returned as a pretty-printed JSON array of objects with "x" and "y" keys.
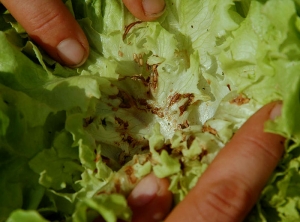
[{"x": 58, "y": 126}]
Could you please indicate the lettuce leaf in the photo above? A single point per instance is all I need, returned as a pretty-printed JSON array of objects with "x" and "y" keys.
[{"x": 161, "y": 96}]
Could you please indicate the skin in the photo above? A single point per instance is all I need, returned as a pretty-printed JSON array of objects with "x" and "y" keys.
[{"x": 232, "y": 183}]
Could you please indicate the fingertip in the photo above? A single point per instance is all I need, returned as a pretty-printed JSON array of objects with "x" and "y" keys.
[
  {"x": 146, "y": 10},
  {"x": 153, "y": 8},
  {"x": 151, "y": 200},
  {"x": 276, "y": 110},
  {"x": 71, "y": 52}
]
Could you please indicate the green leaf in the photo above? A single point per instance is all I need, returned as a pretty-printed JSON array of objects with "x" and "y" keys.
[{"x": 26, "y": 216}]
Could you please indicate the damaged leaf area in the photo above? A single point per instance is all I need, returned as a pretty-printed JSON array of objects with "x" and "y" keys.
[
  {"x": 163, "y": 96},
  {"x": 240, "y": 100}
]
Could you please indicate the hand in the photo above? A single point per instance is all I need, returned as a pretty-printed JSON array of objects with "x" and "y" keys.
[
  {"x": 51, "y": 25},
  {"x": 230, "y": 186}
]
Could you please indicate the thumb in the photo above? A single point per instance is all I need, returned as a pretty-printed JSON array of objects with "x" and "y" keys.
[{"x": 52, "y": 26}]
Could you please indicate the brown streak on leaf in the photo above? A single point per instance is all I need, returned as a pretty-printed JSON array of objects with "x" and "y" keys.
[
  {"x": 228, "y": 86},
  {"x": 130, "y": 172},
  {"x": 209, "y": 129},
  {"x": 184, "y": 107},
  {"x": 98, "y": 157},
  {"x": 202, "y": 154},
  {"x": 117, "y": 185},
  {"x": 190, "y": 141},
  {"x": 129, "y": 27},
  {"x": 154, "y": 77},
  {"x": 174, "y": 99}
]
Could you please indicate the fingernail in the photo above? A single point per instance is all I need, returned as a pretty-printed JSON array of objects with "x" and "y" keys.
[
  {"x": 153, "y": 8},
  {"x": 276, "y": 111},
  {"x": 144, "y": 192},
  {"x": 71, "y": 52}
]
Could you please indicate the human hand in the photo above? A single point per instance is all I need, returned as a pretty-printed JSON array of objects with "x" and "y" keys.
[
  {"x": 51, "y": 25},
  {"x": 230, "y": 186}
]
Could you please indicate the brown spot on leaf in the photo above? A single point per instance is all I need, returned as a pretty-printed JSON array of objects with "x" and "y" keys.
[
  {"x": 142, "y": 102},
  {"x": 122, "y": 123},
  {"x": 155, "y": 110},
  {"x": 130, "y": 173},
  {"x": 87, "y": 121},
  {"x": 240, "y": 100},
  {"x": 145, "y": 148},
  {"x": 184, "y": 125},
  {"x": 129, "y": 139}
]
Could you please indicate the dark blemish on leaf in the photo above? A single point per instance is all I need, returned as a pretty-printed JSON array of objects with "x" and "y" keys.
[
  {"x": 175, "y": 98},
  {"x": 130, "y": 173},
  {"x": 240, "y": 100},
  {"x": 129, "y": 27},
  {"x": 203, "y": 154},
  {"x": 228, "y": 86},
  {"x": 190, "y": 141},
  {"x": 209, "y": 129},
  {"x": 103, "y": 122},
  {"x": 87, "y": 121},
  {"x": 184, "y": 125},
  {"x": 153, "y": 83},
  {"x": 184, "y": 107}
]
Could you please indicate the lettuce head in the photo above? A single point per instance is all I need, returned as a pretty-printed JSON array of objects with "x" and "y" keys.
[{"x": 162, "y": 97}]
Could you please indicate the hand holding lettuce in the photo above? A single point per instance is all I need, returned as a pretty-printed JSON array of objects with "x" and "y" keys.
[
  {"x": 51, "y": 25},
  {"x": 233, "y": 181},
  {"x": 159, "y": 95}
]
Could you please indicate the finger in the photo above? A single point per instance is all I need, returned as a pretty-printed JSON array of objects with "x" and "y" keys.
[
  {"x": 146, "y": 10},
  {"x": 52, "y": 26},
  {"x": 151, "y": 200},
  {"x": 232, "y": 183}
]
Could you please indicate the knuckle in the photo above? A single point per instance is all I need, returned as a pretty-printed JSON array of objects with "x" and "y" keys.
[
  {"x": 226, "y": 201},
  {"x": 44, "y": 22},
  {"x": 263, "y": 148}
]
